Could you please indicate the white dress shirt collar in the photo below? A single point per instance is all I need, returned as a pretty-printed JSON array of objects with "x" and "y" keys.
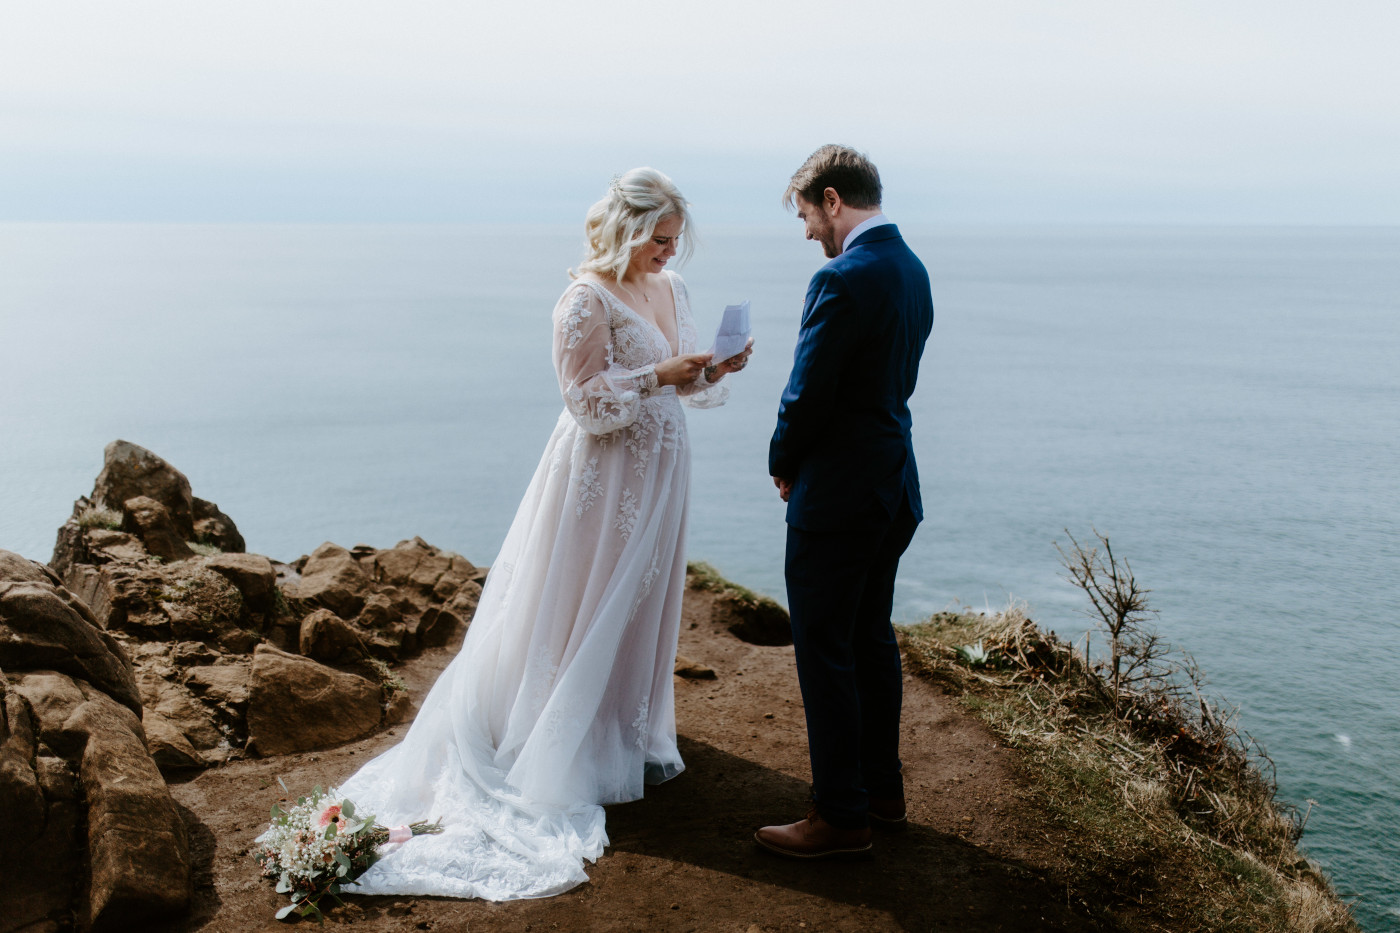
[{"x": 861, "y": 227}]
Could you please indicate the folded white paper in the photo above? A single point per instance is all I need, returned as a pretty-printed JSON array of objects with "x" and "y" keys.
[{"x": 733, "y": 334}]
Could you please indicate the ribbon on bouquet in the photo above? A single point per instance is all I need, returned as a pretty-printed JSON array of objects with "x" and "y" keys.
[{"x": 400, "y": 834}]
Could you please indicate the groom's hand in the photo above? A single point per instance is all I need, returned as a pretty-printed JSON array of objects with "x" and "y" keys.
[{"x": 784, "y": 487}]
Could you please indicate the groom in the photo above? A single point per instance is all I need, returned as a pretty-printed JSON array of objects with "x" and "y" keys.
[{"x": 843, "y": 460}]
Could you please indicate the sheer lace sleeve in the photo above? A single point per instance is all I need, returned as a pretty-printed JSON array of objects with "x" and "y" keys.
[
  {"x": 601, "y": 395},
  {"x": 701, "y": 393}
]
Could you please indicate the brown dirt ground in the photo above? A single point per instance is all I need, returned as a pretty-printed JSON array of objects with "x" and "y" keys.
[{"x": 976, "y": 856}]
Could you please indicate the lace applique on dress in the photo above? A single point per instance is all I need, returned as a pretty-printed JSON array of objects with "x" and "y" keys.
[
  {"x": 589, "y": 486},
  {"x": 627, "y": 513},
  {"x": 640, "y": 724},
  {"x": 574, "y": 314}
]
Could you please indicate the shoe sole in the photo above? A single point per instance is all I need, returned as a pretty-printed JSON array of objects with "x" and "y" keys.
[
  {"x": 882, "y": 823},
  {"x": 828, "y": 853}
]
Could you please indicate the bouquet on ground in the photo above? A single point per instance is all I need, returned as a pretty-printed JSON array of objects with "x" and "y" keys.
[{"x": 322, "y": 844}]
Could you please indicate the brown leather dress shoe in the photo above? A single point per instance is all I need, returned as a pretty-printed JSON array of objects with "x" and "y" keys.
[
  {"x": 814, "y": 837},
  {"x": 888, "y": 813}
]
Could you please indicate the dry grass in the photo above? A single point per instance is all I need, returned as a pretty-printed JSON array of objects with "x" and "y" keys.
[
  {"x": 97, "y": 517},
  {"x": 1168, "y": 813}
]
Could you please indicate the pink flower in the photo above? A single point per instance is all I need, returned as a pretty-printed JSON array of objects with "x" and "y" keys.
[{"x": 327, "y": 815}]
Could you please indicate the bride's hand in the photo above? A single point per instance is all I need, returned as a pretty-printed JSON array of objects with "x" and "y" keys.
[
  {"x": 736, "y": 362},
  {"x": 681, "y": 370}
]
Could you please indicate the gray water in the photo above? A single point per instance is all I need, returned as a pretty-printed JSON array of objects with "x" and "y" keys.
[{"x": 1223, "y": 403}]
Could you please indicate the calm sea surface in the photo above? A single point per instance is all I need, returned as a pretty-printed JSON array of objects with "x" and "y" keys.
[{"x": 1224, "y": 404}]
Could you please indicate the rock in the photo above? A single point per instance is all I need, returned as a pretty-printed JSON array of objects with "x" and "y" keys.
[
  {"x": 380, "y": 613},
  {"x": 22, "y": 817},
  {"x": 43, "y": 627},
  {"x": 251, "y": 574},
  {"x": 169, "y": 748},
  {"x": 331, "y": 578},
  {"x": 297, "y": 704},
  {"x": 327, "y": 637},
  {"x": 105, "y": 545},
  {"x": 40, "y": 888},
  {"x": 398, "y": 709},
  {"x": 151, "y": 522},
  {"x": 38, "y": 822},
  {"x": 129, "y": 471},
  {"x": 88, "y": 584},
  {"x": 54, "y": 698},
  {"x": 226, "y": 684},
  {"x": 137, "y": 850},
  {"x": 138, "y": 847},
  {"x": 214, "y": 527},
  {"x": 176, "y": 705},
  {"x": 693, "y": 670},
  {"x": 191, "y": 602}
]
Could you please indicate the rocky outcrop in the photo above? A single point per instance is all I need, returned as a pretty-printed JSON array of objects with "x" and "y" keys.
[
  {"x": 88, "y": 833},
  {"x": 331, "y": 707},
  {"x": 398, "y": 600},
  {"x": 129, "y": 472},
  {"x": 164, "y": 575},
  {"x": 140, "y": 507}
]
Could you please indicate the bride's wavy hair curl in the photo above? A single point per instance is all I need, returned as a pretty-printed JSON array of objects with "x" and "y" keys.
[{"x": 627, "y": 217}]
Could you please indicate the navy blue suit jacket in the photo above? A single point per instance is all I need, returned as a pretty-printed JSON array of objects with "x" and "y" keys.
[{"x": 843, "y": 435}]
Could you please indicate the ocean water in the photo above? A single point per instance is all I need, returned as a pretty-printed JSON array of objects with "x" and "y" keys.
[{"x": 1223, "y": 403}]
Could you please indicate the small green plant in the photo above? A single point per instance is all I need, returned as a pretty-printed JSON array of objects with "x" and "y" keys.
[
  {"x": 974, "y": 655},
  {"x": 389, "y": 682},
  {"x": 202, "y": 549},
  {"x": 100, "y": 517}
]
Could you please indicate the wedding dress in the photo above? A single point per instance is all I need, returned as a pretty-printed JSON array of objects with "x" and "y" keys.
[{"x": 561, "y": 698}]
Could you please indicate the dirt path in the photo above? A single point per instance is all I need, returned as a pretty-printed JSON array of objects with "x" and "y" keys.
[{"x": 975, "y": 857}]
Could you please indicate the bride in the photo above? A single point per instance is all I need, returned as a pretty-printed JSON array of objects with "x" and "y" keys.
[{"x": 560, "y": 699}]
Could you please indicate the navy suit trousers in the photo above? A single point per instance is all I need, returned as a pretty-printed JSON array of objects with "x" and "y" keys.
[{"x": 841, "y": 592}]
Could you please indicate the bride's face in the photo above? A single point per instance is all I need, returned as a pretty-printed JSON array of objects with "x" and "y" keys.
[{"x": 653, "y": 255}]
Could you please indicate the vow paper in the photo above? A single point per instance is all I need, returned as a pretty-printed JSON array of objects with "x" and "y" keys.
[{"x": 733, "y": 334}]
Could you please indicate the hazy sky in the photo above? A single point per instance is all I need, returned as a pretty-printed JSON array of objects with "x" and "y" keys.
[{"x": 993, "y": 110}]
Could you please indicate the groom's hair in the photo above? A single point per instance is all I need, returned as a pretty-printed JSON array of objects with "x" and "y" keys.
[{"x": 852, "y": 175}]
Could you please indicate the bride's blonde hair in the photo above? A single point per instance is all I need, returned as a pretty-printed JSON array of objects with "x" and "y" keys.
[{"x": 627, "y": 217}]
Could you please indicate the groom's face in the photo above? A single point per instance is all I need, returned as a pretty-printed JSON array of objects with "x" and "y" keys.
[{"x": 819, "y": 226}]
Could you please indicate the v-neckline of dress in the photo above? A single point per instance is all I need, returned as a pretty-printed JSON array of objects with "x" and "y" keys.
[{"x": 675, "y": 312}]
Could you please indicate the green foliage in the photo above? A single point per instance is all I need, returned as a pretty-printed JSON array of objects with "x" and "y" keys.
[{"x": 389, "y": 682}]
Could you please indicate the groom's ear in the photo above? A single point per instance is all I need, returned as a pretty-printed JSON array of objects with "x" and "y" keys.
[{"x": 831, "y": 201}]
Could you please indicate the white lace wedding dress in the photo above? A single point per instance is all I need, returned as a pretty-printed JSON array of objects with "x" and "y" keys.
[{"x": 560, "y": 699}]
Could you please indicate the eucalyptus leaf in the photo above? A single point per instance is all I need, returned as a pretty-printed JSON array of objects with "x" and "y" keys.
[
  {"x": 347, "y": 808},
  {"x": 285, "y": 911}
]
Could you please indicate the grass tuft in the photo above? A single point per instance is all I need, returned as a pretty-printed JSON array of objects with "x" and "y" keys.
[
  {"x": 701, "y": 576},
  {"x": 98, "y": 517}
]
